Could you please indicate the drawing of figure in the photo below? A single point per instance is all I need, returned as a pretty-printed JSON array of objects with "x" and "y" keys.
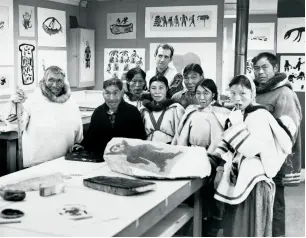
[
  {"x": 144, "y": 154},
  {"x": 27, "y": 63},
  {"x": 298, "y": 64},
  {"x": 134, "y": 56},
  {"x": 3, "y": 80},
  {"x": 87, "y": 55},
  {"x": 301, "y": 76},
  {"x": 108, "y": 69},
  {"x": 116, "y": 67},
  {"x": 291, "y": 77},
  {"x": 191, "y": 20},
  {"x": 26, "y": 22},
  {"x": 139, "y": 63},
  {"x": 170, "y": 21},
  {"x": 118, "y": 21},
  {"x": 203, "y": 18},
  {"x": 116, "y": 59},
  {"x": 176, "y": 21},
  {"x": 157, "y": 21},
  {"x": 124, "y": 21},
  {"x": 127, "y": 59},
  {"x": 52, "y": 26},
  {"x": 184, "y": 19},
  {"x": 287, "y": 65},
  {"x": 121, "y": 59},
  {"x": 165, "y": 22},
  {"x": 126, "y": 67}
]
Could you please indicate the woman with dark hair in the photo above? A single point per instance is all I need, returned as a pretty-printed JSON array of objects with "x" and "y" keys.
[
  {"x": 192, "y": 74},
  {"x": 114, "y": 118},
  {"x": 136, "y": 86},
  {"x": 250, "y": 152},
  {"x": 161, "y": 115},
  {"x": 202, "y": 124}
]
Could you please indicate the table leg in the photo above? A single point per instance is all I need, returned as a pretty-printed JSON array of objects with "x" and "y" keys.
[
  {"x": 197, "y": 215},
  {"x": 11, "y": 158}
]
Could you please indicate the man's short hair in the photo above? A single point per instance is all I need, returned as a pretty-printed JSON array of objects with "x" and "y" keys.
[
  {"x": 165, "y": 47},
  {"x": 270, "y": 57},
  {"x": 113, "y": 82}
]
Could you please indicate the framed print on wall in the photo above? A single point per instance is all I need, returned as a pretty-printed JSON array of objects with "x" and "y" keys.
[
  {"x": 27, "y": 21},
  {"x": 181, "y": 21},
  {"x": 291, "y": 35},
  {"x": 121, "y": 25},
  {"x": 261, "y": 36}
]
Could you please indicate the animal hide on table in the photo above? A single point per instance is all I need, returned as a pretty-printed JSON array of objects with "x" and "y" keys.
[{"x": 148, "y": 159}]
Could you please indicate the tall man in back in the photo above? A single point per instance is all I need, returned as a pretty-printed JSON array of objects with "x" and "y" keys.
[
  {"x": 163, "y": 56},
  {"x": 275, "y": 92}
]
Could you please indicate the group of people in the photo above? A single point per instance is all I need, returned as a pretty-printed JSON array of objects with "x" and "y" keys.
[{"x": 252, "y": 146}]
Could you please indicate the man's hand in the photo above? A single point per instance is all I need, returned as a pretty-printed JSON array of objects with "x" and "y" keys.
[{"x": 76, "y": 147}]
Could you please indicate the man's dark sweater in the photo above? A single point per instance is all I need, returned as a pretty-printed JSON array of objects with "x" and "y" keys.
[{"x": 128, "y": 124}]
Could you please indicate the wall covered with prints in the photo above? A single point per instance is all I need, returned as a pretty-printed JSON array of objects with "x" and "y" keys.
[
  {"x": 192, "y": 20},
  {"x": 25, "y": 39},
  {"x": 291, "y": 31}
]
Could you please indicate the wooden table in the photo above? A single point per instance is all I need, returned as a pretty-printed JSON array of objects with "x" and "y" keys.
[{"x": 113, "y": 215}]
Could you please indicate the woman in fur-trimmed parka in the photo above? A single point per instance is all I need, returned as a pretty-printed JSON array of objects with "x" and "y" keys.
[{"x": 161, "y": 115}]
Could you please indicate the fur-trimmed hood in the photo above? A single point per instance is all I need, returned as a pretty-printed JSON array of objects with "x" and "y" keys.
[
  {"x": 153, "y": 106},
  {"x": 277, "y": 81},
  {"x": 62, "y": 98},
  {"x": 144, "y": 96}
]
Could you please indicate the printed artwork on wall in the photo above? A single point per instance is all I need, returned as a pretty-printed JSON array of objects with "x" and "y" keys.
[
  {"x": 121, "y": 25},
  {"x": 291, "y": 35},
  {"x": 51, "y": 27},
  {"x": 204, "y": 54},
  {"x": 294, "y": 67},
  {"x": 261, "y": 36},
  {"x": 120, "y": 60},
  {"x": 6, "y": 33},
  {"x": 48, "y": 58},
  {"x": 27, "y": 21},
  {"x": 27, "y": 72},
  {"x": 6, "y": 80},
  {"x": 181, "y": 21},
  {"x": 87, "y": 54}
]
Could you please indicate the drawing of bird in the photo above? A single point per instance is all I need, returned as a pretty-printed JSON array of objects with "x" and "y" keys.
[{"x": 300, "y": 31}]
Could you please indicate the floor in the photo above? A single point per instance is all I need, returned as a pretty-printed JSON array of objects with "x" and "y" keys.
[{"x": 295, "y": 211}]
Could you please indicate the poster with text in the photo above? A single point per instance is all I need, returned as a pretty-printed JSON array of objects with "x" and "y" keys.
[
  {"x": 294, "y": 67},
  {"x": 47, "y": 58},
  {"x": 181, "y": 21},
  {"x": 27, "y": 21},
  {"x": 291, "y": 35},
  {"x": 6, "y": 33},
  {"x": 51, "y": 27},
  {"x": 121, "y": 25},
  {"x": 120, "y": 60},
  {"x": 261, "y": 36},
  {"x": 27, "y": 65},
  {"x": 6, "y": 80},
  {"x": 204, "y": 54}
]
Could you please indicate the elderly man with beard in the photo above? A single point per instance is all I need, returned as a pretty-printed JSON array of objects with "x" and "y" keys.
[
  {"x": 114, "y": 118},
  {"x": 50, "y": 120}
]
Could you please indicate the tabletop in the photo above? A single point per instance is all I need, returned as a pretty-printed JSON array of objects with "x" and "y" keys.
[{"x": 112, "y": 215}]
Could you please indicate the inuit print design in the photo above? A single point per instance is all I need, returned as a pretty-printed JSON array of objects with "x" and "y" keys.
[
  {"x": 52, "y": 26},
  {"x": 121, "y": 27},
  {"x": 146, "y": 156},
  {"x": 27, "y": 63}
]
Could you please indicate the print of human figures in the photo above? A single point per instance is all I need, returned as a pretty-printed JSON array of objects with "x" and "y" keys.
[
  {"x": 180, "y": 20},
  {"x": 87, "y": 55},
  {"x": 294, "y": 67},
  {"x": 118, "y": 61}
]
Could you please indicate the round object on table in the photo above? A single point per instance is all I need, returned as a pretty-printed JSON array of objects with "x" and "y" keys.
[
  {"x": 13, "y": 195},
  {"x": 11, "y": 213}
]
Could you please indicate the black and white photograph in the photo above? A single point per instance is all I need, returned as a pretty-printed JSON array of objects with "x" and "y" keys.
[{"x": 139, "y": 118}]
